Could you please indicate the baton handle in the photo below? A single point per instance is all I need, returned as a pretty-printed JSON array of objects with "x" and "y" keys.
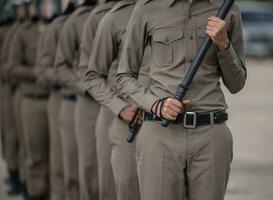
[
  {"x": 131, "y": 136},
  {"x": 184, "y": 85}
]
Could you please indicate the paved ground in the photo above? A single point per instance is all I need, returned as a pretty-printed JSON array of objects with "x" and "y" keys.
[{"x": 251, "y": 121}]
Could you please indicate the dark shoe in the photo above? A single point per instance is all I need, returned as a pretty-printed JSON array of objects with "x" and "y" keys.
[
  {"x": 43, "y": 197},
  {"x": 14, "y": 183},
  {"x": 24, "y": 192}
]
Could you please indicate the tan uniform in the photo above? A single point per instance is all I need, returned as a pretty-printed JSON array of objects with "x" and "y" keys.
[
  {"x": 175, "y": 161},
  {"x": 17, "y": 99},
  {"x": 101, "y": 146},
  {"x": 46, "y": 72},
  {"x": 3, "y": 31},
  {"x": 8, "y": 131},
  {"x": 33, "y": 106},
  {"x": 99, "y": 80},
  {"x": 66, "y": 63}
]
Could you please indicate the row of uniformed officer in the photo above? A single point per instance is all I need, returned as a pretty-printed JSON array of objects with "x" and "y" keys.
[
  {"x": 73, "y": 148},
  {"x": 24, "y": 51}
]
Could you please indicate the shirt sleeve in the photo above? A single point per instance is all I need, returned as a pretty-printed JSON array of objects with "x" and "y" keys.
[
  {"x": 4, "y": 54},
  {"x": 45, "y": 70},
  {"x": 89, "y": 31},
  {"x": 104, "y": 52},
  {"x": 16, "y": 59},
  {"x": 232, "y": 60},
  {"x": 131, "y": 59},
  {"x": 66, "y": 55}
]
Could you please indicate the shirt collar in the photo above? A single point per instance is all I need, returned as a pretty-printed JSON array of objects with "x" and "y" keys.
[
  {"x": 105, "y": 6},
  {"x": 170, "y": 2},
  {"x": 123, "y": 3}
]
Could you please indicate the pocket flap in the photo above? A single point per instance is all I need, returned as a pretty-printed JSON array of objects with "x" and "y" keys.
[{"x": 167, "y": 37}]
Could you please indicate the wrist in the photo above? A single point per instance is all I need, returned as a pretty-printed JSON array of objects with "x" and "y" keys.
[
  {"x": 120, "y": 115},
  {"x": 223, "y": 45}
]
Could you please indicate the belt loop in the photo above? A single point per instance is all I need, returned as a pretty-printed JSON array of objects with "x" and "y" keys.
[{"x": 211, "y": 118}]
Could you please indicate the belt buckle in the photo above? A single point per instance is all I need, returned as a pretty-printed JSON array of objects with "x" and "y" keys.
[{"x": 193, "y": 125}]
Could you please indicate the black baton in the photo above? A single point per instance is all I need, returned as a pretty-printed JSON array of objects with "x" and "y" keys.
[
  {"x": 184, "y": 85},
  {"x": 134, "y": 126}
]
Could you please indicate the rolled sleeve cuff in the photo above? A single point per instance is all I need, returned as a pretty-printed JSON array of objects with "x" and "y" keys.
[
  {"x": 227, "y": 56},
  {"x": 117, "y": 105}
]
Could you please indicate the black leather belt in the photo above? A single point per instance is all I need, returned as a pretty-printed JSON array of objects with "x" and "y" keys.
[
  {"x": 56, "y": 88},
  {"x": 37, "y": 96},
  {"x": 70, "y": 97},
  {"x": 193, "y": 119}
]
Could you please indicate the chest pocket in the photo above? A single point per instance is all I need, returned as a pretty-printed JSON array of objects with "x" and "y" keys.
[{"x": 165, "y": 47}]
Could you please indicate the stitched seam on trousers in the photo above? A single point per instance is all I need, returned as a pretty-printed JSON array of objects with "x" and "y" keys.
[
  {"x": 212, "y": 129},
  {"x": 161, "y": 170}
]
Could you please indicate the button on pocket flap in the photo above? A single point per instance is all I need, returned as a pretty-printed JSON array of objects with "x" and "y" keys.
[{"x": 167, "y": 37}]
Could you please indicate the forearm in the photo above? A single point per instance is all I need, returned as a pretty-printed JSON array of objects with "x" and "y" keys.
[
  {"x": 23, "y": 72},
  {"x": 103, "y": 91},
  {"x": 115, "y": 103},
  {"x": 78, "y": 86},
  {"x": 233, "y": 70},
  {"x": 128, "y": 86},
  {"x": 65, "y": 75}
]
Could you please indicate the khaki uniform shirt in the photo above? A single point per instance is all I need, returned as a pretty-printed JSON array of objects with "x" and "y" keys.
[
  {"x": 103, "y": 64},
  {"x": 67, "y": 57},
  {"x": 6, "y": 48},
  {"x": 89, "y": 32},
  {"x": 175, "y": 30},
  {"x": 45, "y": 70},
  {"x": 4, "y": 30},
  {"x": 22, "y": 57}
]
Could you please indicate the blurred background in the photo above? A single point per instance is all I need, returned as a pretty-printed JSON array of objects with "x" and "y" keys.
[{"x": 251, "y": 111}]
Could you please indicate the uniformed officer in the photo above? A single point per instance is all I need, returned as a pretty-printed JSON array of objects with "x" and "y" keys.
[
  {"x": 47, "y": 75},
  {"x": 29, "y": 42},
  {"x": 15, "y": 82},
  {"x": 99, "y": 80},
  {"x": 97, "y": 144},
  {"x": 192, "y": 156},
  {"x": 66, "y": 63},
  {"x": 11, "y": 138}
]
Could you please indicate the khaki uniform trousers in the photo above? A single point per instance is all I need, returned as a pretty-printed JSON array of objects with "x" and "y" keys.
[
  {"x": 175, "y": 162},
  {"x": 9, "y": 134},
  {"x": 123, "y": 162},
  {"x": 106, "y": 179},
  {"x": 56, "y": 159},
  {"x": 17, "y": 105},
  {"x": 2, "y": 117},
  {"x": 86, "y": 113},
  {"x": 70, "y": 150},
  {"x": 2, "y": 129},
  {"x": 36, "y": 139}
]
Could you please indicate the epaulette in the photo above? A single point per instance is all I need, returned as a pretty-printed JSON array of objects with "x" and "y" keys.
[
  {"x": 122, "y": 4},
  {"x": 82, "y": 9},
  {"x": 145, "y": 2},
  {"x": 60, "y": 19}
]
